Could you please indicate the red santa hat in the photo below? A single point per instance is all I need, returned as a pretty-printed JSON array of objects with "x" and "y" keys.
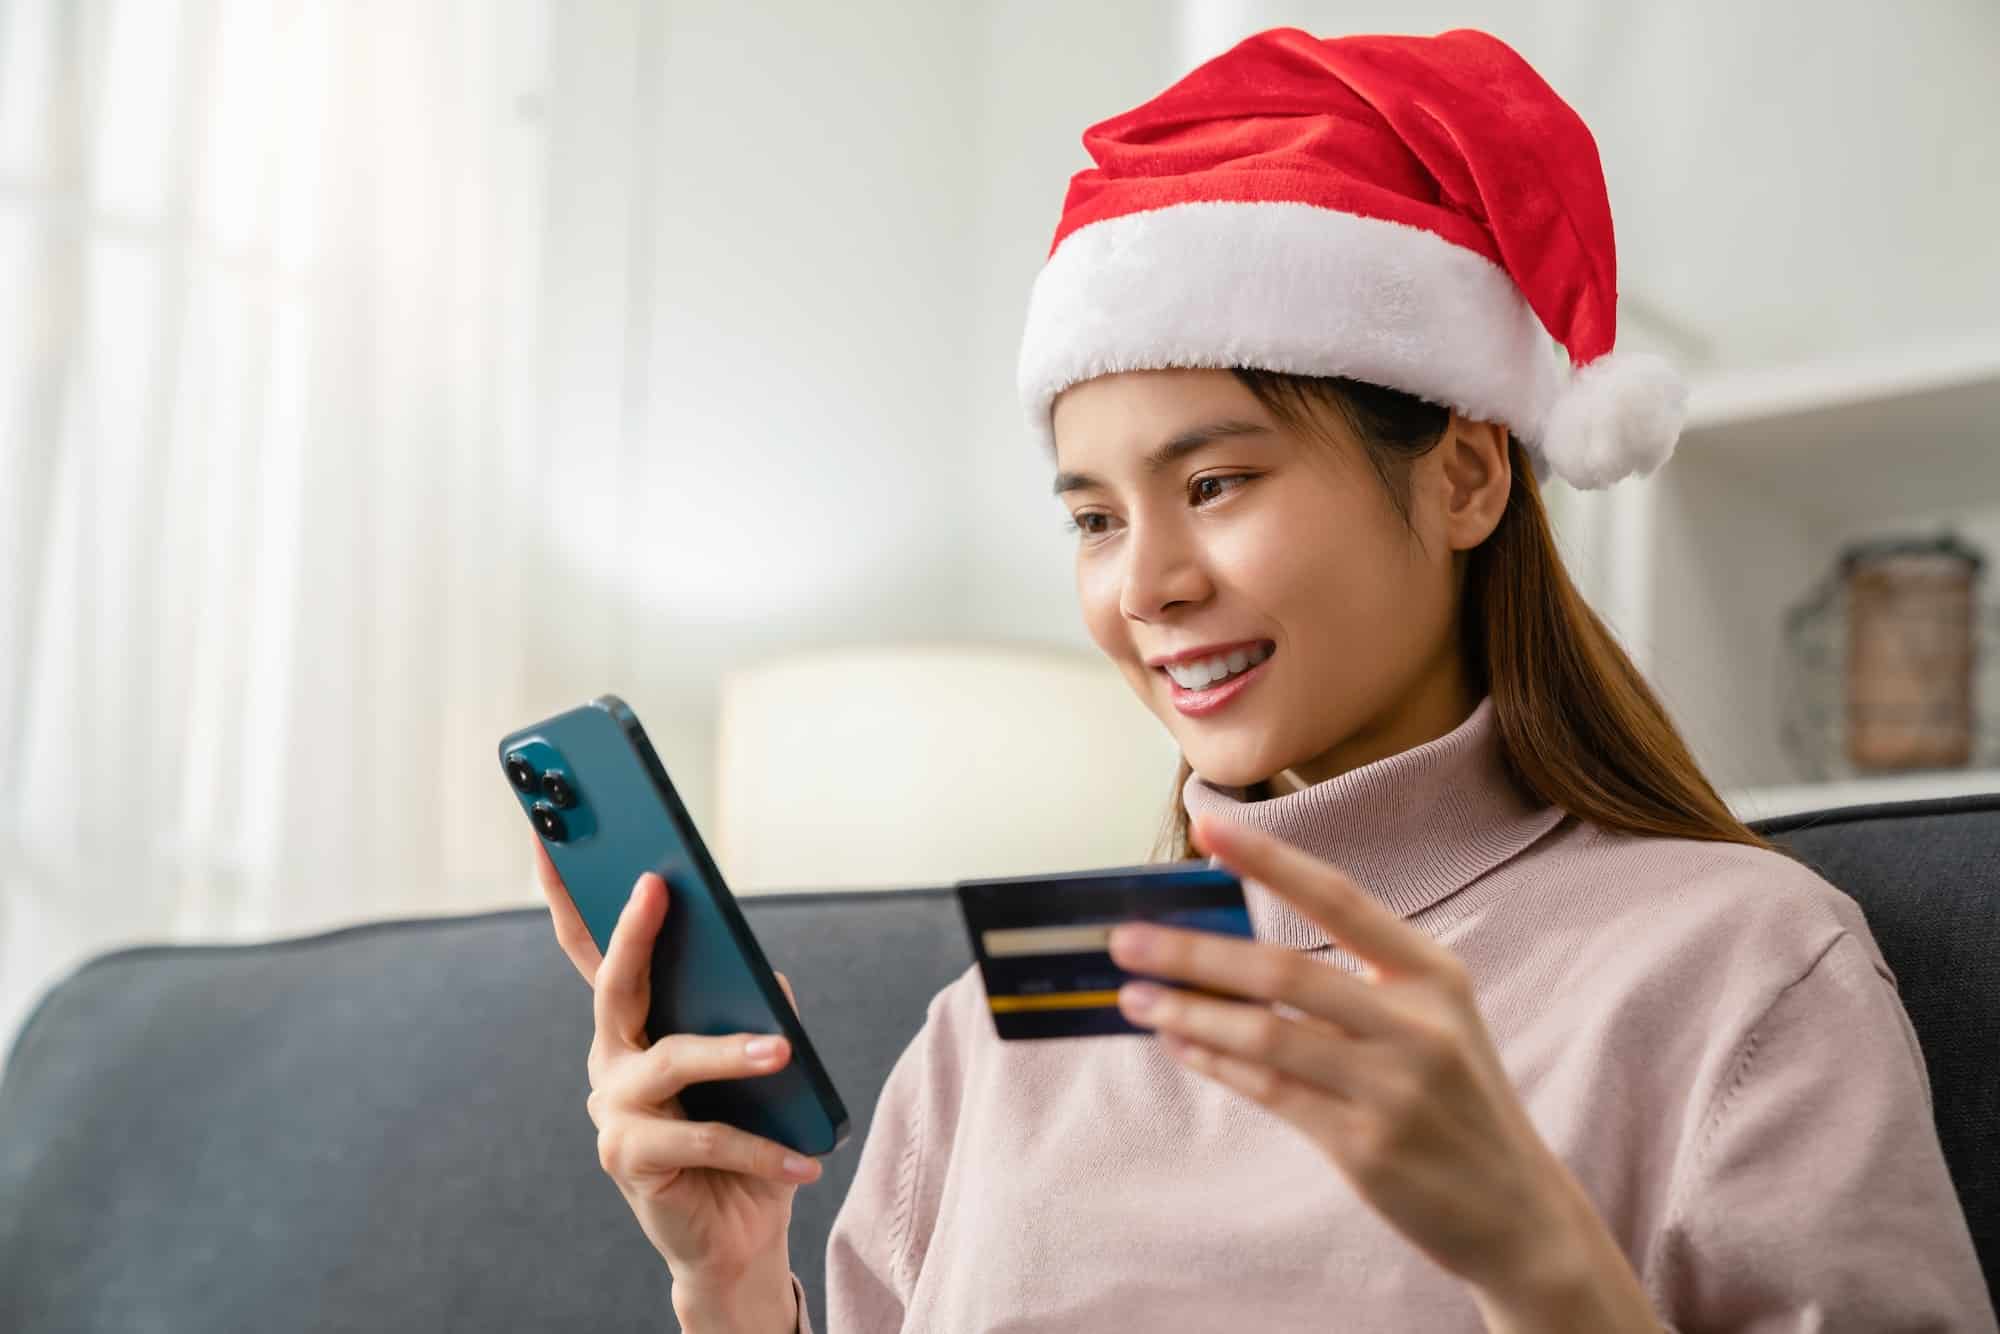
[{"x": 1418, "y": 212}]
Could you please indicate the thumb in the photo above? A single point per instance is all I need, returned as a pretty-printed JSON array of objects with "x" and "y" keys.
[{"x": 785, "y": 982}]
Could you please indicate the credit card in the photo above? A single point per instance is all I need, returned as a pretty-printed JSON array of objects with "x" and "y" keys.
[{"x": 1043, "y": 941}]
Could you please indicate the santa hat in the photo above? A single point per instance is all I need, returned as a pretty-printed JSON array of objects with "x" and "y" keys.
[{"x": 1418, "y": 212}]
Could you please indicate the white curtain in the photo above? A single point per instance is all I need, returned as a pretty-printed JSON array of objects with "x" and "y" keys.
[{"x": 273, "y": 474}]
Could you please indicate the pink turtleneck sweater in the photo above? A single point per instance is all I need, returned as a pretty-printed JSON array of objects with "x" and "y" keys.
[{"x": 1705, "y": 1034}]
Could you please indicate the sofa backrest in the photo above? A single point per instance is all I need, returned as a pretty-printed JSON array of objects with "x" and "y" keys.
[
  {"x": 1927, "y": 876},
  {"x": 382, "y": 1128}
]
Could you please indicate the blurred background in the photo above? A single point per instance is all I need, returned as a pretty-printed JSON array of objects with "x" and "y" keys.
[{"x": 378, "y": 377}]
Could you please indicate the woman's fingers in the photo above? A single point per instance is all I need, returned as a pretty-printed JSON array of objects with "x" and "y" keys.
[
  {"x": 1317, "y": 1054},
  {"x": 622, "y": 990},
  {"x": 786, "y": 983},
  {"x": 634, "y": 1147},
  {"x": 673, "y": 1063},
  {"x": 1258, "y": 969},
  {"x": 571, "y": 933}
]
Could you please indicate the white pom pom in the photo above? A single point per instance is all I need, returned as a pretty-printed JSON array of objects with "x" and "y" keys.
[{"x": 1619, "y": 415}]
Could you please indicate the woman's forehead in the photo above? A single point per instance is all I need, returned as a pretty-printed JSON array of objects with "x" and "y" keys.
[{"x": 1130, "y": 413}]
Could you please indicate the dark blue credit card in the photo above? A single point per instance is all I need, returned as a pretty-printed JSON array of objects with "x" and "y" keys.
[{"x": 1042, "y": 941}]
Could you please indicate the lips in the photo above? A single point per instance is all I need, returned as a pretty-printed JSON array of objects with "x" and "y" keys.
[{"x": 1208, "y": 698}]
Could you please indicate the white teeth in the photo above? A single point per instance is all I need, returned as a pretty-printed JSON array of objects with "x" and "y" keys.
[{"x": 1207, "y": 671}]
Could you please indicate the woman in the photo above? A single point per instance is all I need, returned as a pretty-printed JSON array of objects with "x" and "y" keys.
[{"x": 1533, "y": 1035}]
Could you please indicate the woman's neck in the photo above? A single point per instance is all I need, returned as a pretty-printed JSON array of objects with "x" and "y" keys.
[{"x": 1438, "y": 703}]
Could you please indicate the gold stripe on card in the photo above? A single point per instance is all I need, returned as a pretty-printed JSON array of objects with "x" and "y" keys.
[{"x": 1054, "y": 1000}]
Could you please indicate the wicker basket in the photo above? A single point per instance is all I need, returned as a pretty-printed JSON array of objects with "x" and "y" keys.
[{"x": 1888, "y": 660}]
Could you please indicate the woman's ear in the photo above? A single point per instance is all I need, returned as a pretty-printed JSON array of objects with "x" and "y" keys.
[{"x": 1478, "y": 476}]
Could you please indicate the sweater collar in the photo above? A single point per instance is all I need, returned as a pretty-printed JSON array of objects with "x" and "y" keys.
[{"x": 1411, "y": 828}]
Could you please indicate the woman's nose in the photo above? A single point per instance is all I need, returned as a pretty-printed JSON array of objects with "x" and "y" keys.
[{"x": 1162, "y": 570}]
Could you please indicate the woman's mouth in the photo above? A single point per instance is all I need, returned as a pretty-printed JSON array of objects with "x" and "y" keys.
[{"x": 1206, "y": 684}]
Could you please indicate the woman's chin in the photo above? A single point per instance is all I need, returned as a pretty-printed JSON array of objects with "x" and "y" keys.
[{"x": 1228, "y": 769}]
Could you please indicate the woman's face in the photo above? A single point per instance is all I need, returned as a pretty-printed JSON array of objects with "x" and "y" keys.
[{"x": 1214, "y": 539}]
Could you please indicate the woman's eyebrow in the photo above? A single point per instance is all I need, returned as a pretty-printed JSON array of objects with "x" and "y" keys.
[{"x": 1187, "y": 442}]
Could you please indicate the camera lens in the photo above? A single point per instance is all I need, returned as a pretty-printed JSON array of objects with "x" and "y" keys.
[
  {"x": 549, "y": 821},
  {"x": 519, "y": 772},
  {"x": 557, "y": 789}
]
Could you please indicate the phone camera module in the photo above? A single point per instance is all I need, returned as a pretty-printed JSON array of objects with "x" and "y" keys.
[
  {"x": 557, "y": 789},
  {"x": 549, "y": 821},
  {"x": 519, "y": 772}
]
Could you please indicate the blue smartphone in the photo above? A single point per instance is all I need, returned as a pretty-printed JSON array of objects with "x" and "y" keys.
[{"x": 600, "y": 799}]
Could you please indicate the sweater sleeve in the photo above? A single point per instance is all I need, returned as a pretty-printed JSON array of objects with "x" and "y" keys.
[
  {"x": 877, "y": 1243},
  {"x": 1815, "y": 1196}
]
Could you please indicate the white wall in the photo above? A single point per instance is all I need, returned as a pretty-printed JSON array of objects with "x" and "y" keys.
[
  {"x": 791, "y": 266},
  {"x": 1052, "y": 70}
]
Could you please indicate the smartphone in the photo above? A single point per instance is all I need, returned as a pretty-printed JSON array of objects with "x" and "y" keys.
[{"x": 599, "y": 799}]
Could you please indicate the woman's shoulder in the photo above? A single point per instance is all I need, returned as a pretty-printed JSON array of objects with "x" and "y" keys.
[
  {"x": 960, "y": 1000},
  {"x": 1731, "y": 904},
  {"x": 955, "y": 1013}
]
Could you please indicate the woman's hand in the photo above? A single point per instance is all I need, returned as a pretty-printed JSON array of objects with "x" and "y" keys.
[
  {"x": 715, "y": 1201},
  {"x": 1391, "y": 1074}
]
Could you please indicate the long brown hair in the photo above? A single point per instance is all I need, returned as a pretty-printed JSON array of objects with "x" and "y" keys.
[{"x": 1577, "y": 724}]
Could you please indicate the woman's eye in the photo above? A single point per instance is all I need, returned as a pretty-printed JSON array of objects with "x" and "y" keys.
[
  {"x": 1091, "y": 523},
  {"x": 1213, "y": 488}
]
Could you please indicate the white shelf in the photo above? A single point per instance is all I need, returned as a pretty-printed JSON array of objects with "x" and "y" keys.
[
  {"x": 1906, "y": 432},
  {"x": 1730, "y": 400},
  {"x": 1764, "y": 802}
]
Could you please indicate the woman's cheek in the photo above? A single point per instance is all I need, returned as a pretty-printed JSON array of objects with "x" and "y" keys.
[
  {"x": 1097, "y": 597},
  {"x": 1266, "y": 563}
]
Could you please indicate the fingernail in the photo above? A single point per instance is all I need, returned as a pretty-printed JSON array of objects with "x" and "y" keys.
[
  {"x": 1132, "y": 943},
  {"x": 795, "y": 1166},
  {"x": 1140, "y": 997},
  {"x": 761, "y": 1049}
]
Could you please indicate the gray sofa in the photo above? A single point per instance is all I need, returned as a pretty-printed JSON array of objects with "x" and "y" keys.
[{"x": 382, "y": 1128}]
